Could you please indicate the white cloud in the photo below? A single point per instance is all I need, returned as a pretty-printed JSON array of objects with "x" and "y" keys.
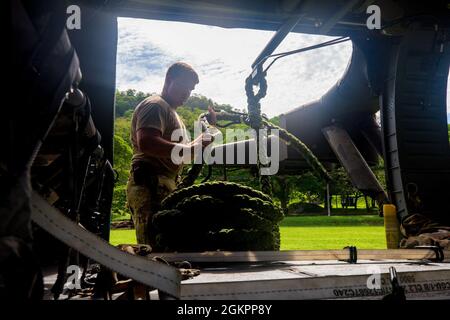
[{"x": 223, "y": 57}]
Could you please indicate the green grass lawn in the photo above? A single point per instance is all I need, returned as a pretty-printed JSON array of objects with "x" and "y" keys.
[
  {"x": 313, "y": 233},
  {"x": 319, "y": 232},
  {"x": 122, "y": 236}
]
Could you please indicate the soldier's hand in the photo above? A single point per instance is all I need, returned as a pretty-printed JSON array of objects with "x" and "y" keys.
[
  {"x": 207, "y": 139},
  {"x": 204, "y": 140},
  {"x": 212, "y": 115}
]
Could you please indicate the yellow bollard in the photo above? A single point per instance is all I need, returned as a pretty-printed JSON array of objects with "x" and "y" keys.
[{"x": 391, "y": 226}]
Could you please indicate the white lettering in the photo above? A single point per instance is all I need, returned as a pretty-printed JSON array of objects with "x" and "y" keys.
[{"x": 74, "y": 20}]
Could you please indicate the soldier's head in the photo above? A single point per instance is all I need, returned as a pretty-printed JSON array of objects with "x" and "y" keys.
[{"x": 180, "y": 80}]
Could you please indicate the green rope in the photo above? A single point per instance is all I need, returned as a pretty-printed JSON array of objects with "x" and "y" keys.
[
  {"x": 298, "y": 145},
  {"x": 256, "y": 121},
  {"x": 191, "y": 176}
]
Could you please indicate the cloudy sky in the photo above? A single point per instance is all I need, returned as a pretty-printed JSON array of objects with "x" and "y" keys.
[{"x": 222, "y": 58}]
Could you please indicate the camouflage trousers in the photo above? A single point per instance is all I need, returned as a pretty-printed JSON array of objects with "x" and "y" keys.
[{"x": 144, "y": 200}]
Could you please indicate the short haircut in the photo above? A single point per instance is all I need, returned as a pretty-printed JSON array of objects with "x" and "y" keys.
[{"x": 180, "y": 68}]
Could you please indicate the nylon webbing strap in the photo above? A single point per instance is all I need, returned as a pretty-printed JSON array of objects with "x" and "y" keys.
[
  {"x": 154, "y": 274},
  {"x": 302, "y": 255}
]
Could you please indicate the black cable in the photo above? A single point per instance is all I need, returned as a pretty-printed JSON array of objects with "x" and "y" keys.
[
  {"x": 316, "y": 46},
  {"x": 325, "y": 44},
  {"x": 319, "y": 45},
  {"x": 225, "y": 176},
  {"x": 208, "y": 175},
  {"x": 342, "y": 39}
]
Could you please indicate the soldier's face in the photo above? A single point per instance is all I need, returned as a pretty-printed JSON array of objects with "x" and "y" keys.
[{"x": 179, "y": 89}]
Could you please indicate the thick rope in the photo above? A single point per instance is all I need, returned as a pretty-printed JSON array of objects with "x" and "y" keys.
[
  {"x": 298, "y": 145},
  {"x": 256, "y": 121}
]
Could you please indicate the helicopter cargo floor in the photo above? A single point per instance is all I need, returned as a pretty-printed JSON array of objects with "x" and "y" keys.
[
  {"x": 266, "y": 276},
  {"x": 319, "y": 280}
]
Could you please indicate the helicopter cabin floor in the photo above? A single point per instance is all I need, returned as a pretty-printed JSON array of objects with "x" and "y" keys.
[{"x": 304, "y": 280}]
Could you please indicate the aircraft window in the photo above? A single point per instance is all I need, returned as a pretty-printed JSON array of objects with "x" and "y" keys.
[{"x": 223, "y": 58}]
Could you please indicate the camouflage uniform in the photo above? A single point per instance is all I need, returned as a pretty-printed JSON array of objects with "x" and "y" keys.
[
  {"x": 144, "y": 200},
  {"x": 151, "y": 178}
]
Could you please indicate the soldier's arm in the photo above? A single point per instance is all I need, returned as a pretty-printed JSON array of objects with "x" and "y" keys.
[{"x": 151, "y": 143}]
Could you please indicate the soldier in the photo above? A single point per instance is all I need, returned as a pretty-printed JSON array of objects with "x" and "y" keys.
[{"x": 153, "y": 174}]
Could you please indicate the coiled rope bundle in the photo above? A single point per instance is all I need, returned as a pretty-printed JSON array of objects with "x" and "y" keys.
[{"x": 217, "y": 216}]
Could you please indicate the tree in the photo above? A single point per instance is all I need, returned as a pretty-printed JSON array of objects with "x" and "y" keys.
[
  {"x": 282, "y": 187},
  {"x": 130, "y": 92}
]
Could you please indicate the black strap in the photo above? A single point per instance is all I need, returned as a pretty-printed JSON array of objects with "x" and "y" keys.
[
  {"x": 353, "y": 254},
  {"x": 437, "y": 251}
]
